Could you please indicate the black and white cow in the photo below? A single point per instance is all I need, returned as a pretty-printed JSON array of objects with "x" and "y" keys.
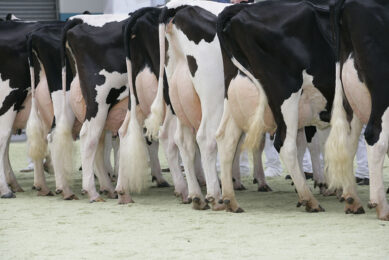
[
  {"x": 14, "y": 100},
  {"x": 99, "y": 96},
  {"x": 43, "y": 46},
  {"x": 278, "y": 57},
  {"x": 142, "y": 54},
  {"x": 361, "y": 28},
  {"x": 195, "y": 79}
]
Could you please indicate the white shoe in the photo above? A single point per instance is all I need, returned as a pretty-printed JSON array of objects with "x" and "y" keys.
[
  {"x": 272, "y": 172},
  {"x": 29, "y": 168}
]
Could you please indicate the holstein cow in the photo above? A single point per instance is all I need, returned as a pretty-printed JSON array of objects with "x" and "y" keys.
[
  {"x": 44, "y": 47},
  {"x": 279, "y": 77},
  {"x": 362, "y": 71},
  {"x": 194, "y": 73},
  {"x": 14, "y": 85},
  {"x": 99, "y": 96},
  {"x": 142, "y": 54}
]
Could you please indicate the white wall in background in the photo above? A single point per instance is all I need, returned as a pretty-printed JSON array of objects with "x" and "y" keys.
[
  {"x": 77, "y": 6},
  {"x": 126, "y": 6}
]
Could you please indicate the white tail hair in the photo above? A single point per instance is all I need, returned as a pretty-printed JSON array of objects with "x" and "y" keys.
[
  {"x": 35, "y": 130},
  {"x": 133, "y": 155},
  {"x": 257, "y": 126},
  {"x": 155, "y": 119},
  {"x": 338, "y": 158}
]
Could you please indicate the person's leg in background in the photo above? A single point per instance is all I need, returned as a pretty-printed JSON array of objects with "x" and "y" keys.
[{"x": 272, "y": 163}]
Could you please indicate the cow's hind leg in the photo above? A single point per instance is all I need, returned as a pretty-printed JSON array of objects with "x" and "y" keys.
[
  {"x": 102, "y": 171},
  {"x": 155, "y": 165},
  {"x": 314, "y": 150},
  {"x": 185, "y": 141},
  {"x": 166, "y": 138},
  {"x": 89, "y": 137},
  {"x": 236, "y": 178},
  {"x": 376, "y": 156},
  {"x": 6, "y": 122},
  {"x": 9, "y": 173},
  {"x": 259, "y": 174},
  {"x": 227, "y": 138},
  {"x": 288, "y": 152}
]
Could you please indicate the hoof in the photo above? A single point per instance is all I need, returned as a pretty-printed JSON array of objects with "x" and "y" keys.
[
  {"x": 33, "y": 187},
  {"x": 371, "y": 205},
  {"x": 71, "y": 197},
  {"x": 58, "y": 191},
  {"x": 353, "y": 206},
  {"x": 199, "y": 204},
  {"x": 16, "y": 188},
  {"x": 288, "y": 177},
  {"x": 125, "y": 199},
  {"x": 387, "y": 191},
  {"x": 163, "y": 184},
  {"x": 8, "y": 195},
  {"x": 83, "y": 192},
  {"x": 165, "y": 170},
  {"x": 232, "y": 206},
  {"x": 264, "y": 188},
  {"x": 153, "y": 179},
  {"x": 45, "y": 193},
  {"x": 255, "y": 181},
  {"x": 98, "y": 199},
  {"x": 311, "y": 206},
  {"x": 110, "y": 194}
]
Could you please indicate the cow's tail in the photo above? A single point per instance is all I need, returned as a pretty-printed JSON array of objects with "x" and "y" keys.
[
  {"x": 257, "y": 125},
  {"x": 155, "y": 119},
  {"x": 338, "y": 158},
  {"x": 133, "y": 157},
  {"x": 35, "y": 130},
  {"x": 61, "y": 146}
]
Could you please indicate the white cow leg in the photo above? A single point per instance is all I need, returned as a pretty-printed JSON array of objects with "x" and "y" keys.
[
  {"x": 353, "y": 203},
  {"x": 208, "y": 149},
  {"x": 89, "y": 137},
  {"x": 288, "y": 153},
  {"x": 185, "y": 141},
  {"x": 166, "y": 137},
  {"x": 102, "y": 174},
  {"x": 227, "y": 138},
  {"x": 236, "y": 167},
  {"x": 259, "y": 173},
  {"x": 376, "y": 156},
  {"x": 6, "y": 122},
  {"x": 115, "y": 146},
  {"x": 199, "y": 168},
  {"x": 9, "y": 173},
  {"x": 107, "y": 152},
  {"x": 156, "y": 172},
  {"x": 40, "y": 180},
  {"x": 318, "y": 174},
  {"x": 301, "y": 143}
]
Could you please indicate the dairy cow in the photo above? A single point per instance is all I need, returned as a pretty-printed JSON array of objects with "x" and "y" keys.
[
  {"x": 44, "y": 47},
  {"x": 195, "y": 87},
  {"x": 142, "y": 55},
  {"x": 279, "y": 77},
  {"x": 99, "y": 95},
  {"x": 361, "y": 97},
  {"x": 14, "y": 95}
]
